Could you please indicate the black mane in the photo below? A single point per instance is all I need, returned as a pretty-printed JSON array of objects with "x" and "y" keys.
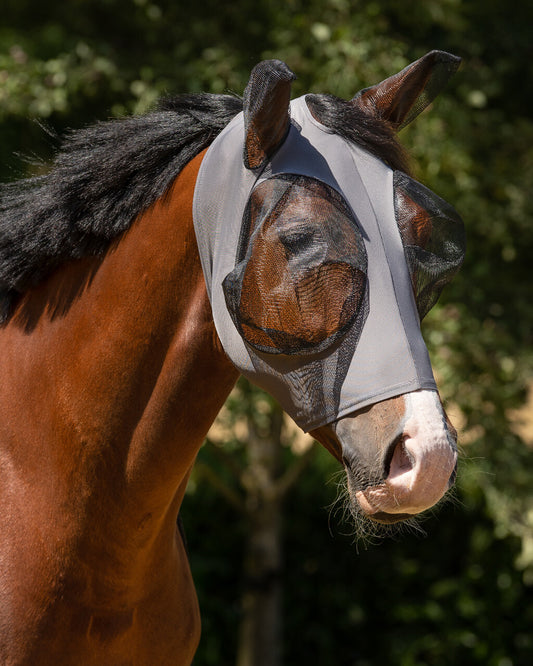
[
  {"x": 376, "y": 136},
  {"x": 106, "y": 175},
  {"x": 101, "y": 180}
]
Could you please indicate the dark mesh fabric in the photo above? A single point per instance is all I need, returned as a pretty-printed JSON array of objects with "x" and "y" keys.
[
  {"x": 314, "y": 381},
  {"x": 300, "y": 280},
  {"x": 269, "y": 87},
  {"x": 420, "y": 82},
  {"x": 433, "y": 236}
]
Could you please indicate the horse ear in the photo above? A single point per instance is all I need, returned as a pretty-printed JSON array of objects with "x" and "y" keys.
[
  {"x": 266, "y": 111},
  {"x": 400, "y": 98}
]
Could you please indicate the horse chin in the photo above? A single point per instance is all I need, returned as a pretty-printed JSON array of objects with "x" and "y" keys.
[{"x": 379, "y": 526}]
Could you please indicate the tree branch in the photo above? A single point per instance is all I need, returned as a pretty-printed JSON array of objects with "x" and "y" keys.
[
  {"x": 229, "y": 461},
  {"x": 285, "y": 482},
  {"x": 232, "y": 497}
]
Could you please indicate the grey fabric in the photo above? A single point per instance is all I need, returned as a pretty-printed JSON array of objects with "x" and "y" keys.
[{"x": 385, "y": 354}]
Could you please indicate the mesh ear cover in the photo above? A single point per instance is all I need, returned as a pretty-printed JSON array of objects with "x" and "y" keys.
[
  {"x": 300, "y": 280},
  {"x": 266, "y": 110},
  {"x": 433, "y": 236},
  {"x": 403, "y": 96}
]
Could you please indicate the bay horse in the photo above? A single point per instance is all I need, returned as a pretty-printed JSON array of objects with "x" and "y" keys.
[{"x": 113, "y": 367}]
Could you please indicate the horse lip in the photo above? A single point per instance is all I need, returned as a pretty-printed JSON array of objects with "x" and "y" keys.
[{"x": 389, "y": 518}]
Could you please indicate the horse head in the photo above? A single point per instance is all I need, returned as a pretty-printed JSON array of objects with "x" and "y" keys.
[{"x": 321, "y": 257}]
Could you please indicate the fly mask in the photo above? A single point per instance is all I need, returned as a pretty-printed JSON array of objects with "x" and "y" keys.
[{"x": 319, "y": 259}]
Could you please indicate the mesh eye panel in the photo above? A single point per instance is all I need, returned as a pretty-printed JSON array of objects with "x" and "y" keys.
[
  {"x": 433, "y": 236},
  {"x": 300, "y": 280}
]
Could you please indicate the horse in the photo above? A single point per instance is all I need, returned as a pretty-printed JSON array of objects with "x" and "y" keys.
[{"x": 121, "y": 339}]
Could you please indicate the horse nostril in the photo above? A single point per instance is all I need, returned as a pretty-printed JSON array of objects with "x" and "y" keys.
[{"x": 396, "y": 450}]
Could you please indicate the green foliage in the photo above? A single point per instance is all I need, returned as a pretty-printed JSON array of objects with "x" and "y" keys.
[{"x": 457, "y": 597}]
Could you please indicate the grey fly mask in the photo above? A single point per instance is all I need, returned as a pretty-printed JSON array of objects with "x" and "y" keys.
[{"x": 316, "y": 281}]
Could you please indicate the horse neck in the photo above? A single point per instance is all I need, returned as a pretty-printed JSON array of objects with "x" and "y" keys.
[{"x": 127, "y": 352}]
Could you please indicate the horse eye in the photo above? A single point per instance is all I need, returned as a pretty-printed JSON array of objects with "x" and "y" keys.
[{"x": 297, "y": 240}]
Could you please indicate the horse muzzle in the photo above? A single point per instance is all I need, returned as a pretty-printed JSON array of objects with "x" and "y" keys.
[
  {"x": 400, "y": 456},
  {"x": 417, "y": 478}
]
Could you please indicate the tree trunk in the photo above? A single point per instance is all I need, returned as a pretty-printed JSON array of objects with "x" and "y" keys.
[
  {"x": 260, "y": 635},
  {"x": 261, "y": 486}
]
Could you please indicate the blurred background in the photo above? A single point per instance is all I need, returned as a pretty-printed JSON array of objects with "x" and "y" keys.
[{"x": 279, "y": 576}]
